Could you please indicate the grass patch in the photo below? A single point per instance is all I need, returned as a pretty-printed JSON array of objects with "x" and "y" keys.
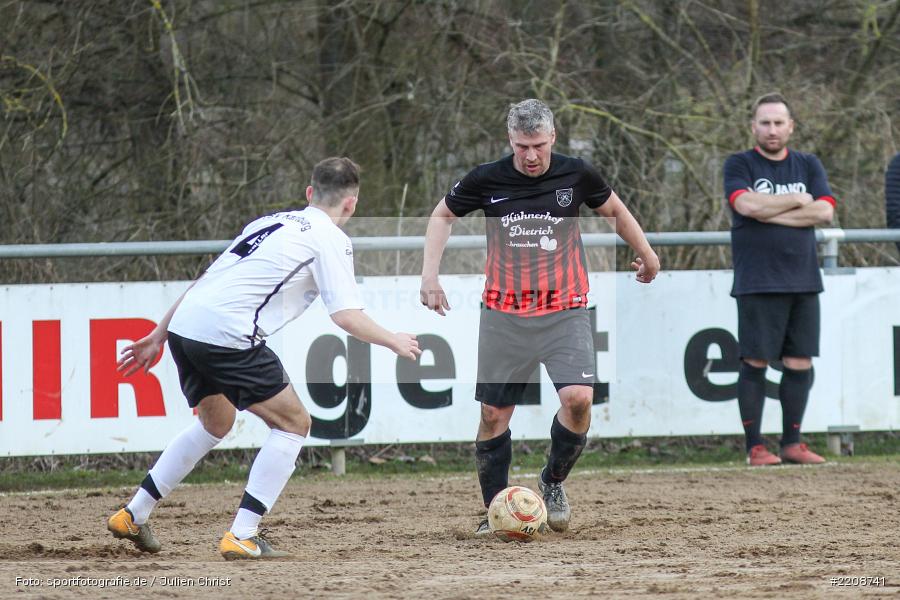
[
  {"x": 66, "y": 478},
  {"x": 127, "y": 470}
]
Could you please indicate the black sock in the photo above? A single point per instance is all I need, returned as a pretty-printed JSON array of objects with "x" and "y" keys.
[
  {"x": 492, "y": 459},
  {"x": 250, "y": 503},
  {"x": 565, "y": 448},
  {"x": 150, "y": 487},
  {"x": 794, "y": 393},
  {"x": 751, "y": 400}
]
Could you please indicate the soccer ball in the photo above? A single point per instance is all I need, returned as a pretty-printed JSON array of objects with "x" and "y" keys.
[{"x": 517, "y": 513}]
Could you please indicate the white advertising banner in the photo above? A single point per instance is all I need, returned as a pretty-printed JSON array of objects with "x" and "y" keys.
[{"x": 666, "y": 365}]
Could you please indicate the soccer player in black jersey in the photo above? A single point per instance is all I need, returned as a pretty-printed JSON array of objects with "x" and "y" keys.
[
  {"x": 777, "y": 196},
  {"x": 535, "y": 294}
]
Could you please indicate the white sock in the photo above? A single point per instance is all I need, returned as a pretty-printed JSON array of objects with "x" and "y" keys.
[
  {"x": 270, "y": 472},
  {"x": 246, "y": 524},
  {"x": 177, "y": 460},
  {"x": 141, "y": 505}
]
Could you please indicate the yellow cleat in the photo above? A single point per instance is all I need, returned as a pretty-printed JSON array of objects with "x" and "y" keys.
[
  {"x": 256, "y": 547},
  {"x": 122, "y": 525}
]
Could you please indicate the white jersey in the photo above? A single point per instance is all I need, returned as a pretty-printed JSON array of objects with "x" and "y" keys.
[{"x": 268, "y": 276}]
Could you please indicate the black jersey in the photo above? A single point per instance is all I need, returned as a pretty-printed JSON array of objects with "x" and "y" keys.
[
  {"x": 535, "y": 259},
  {"x": 770, "y": 258},
  {"x": 892, "y": 193}
]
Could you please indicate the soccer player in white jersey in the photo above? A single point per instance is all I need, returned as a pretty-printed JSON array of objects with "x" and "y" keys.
[{"x": 216, "y": 331}]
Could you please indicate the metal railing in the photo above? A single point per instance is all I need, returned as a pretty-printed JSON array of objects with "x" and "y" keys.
[{"x": 831, "y": 239}]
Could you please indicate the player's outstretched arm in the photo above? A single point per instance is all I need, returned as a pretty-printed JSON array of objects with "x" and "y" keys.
[
  {"x": 142, "y": 354},
  {"x": 431, "y": 294},
  {"x": 647, "y": 262},
  {"x": 361, "y": 326}
]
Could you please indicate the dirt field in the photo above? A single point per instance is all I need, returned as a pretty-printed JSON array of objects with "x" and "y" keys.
[{"x": 780, "y": 532}]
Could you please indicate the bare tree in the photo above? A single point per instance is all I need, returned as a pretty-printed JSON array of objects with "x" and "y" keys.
[{"x": 163, "y": 119}]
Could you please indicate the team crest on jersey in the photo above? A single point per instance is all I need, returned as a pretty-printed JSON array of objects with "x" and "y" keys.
[{"x": 564, "y": 197}]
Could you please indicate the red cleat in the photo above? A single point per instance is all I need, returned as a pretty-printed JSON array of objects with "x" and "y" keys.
[
  {"x": 800, "y": 454},
  {"x": 759, "y": 456}
]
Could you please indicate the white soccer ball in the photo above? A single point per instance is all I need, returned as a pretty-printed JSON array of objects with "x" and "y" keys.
[{"x": 517, "y": 513}]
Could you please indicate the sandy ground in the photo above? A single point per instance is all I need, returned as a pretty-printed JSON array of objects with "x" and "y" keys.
[{"x": 778, "y": 532}]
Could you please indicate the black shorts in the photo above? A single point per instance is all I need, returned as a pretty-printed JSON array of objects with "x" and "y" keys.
[
  {"x": 771, "y": 326},
  {"x": 510, "y": 348},
  {"x": 244, "y": 376}
]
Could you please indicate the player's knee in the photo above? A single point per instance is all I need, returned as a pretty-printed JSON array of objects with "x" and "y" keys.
[
  {"x": 298, "y": 423},
  {"x": 493, "y": 417},
  {"x": 217, "y": 424},
  {"x": 797, "y": 363},
  {"x": 578, "y": 400},
  {"x": 218, "y": 430}
]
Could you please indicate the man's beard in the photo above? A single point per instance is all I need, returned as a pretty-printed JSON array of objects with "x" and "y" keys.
[{"x": 766, "y": 145}]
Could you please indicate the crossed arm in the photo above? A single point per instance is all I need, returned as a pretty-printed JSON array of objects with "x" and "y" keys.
[{"x": 791, "y": 210}]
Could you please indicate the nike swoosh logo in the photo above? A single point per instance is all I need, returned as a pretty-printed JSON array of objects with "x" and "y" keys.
[
  {"x": 586, "y": 375},
  {"x": 251, "y": 551},
  {"x": 496, "y": 200}
]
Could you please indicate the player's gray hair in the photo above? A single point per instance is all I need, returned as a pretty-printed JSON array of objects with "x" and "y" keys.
[
  {"x": 529, "y": 117},
  {"x": 333, "y": 179}
]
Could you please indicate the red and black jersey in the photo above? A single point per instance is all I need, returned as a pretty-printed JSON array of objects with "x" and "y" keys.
[{"x": 535, "y": 259}]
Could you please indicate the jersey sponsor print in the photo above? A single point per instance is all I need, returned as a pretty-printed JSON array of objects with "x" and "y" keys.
[{"x": 535, "y": 259}]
